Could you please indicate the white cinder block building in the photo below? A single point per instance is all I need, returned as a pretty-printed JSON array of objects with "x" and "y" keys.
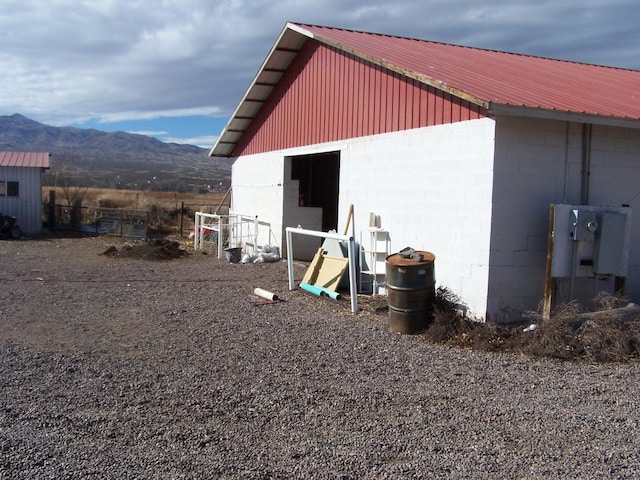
[
  {"x": 459, "y": 151},
  {"x": 21, "y": 187}
]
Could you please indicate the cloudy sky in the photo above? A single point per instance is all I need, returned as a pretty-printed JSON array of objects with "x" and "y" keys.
[{"x": 176, "y": 69}]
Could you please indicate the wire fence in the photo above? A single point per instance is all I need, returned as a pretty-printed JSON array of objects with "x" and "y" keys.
[
  {"x": 121, "y": 222},
  {"x": 130, "y": 222}
]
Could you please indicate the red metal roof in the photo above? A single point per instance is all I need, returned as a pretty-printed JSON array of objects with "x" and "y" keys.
[
  {"x": 494, "y": 77},
  {"x": 24, "y": 159},
  {"x": 501, "y": 82}
]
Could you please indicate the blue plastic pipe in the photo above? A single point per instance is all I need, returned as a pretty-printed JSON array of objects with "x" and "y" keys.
[{"x": 321, "y": 291}]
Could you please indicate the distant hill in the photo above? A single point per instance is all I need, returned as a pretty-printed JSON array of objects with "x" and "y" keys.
[{"x": 118, "y": 159}]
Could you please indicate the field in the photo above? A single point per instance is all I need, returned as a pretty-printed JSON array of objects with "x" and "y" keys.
[
  {"x": 168, "y": 210},
  {"x": 142, "y": 199}
]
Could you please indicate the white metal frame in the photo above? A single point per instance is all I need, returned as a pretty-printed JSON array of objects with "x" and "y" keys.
[
  {"x": 208, "y": 221},
  {"x": 353, "y": 287},
  {"x": 243, "y": 230},
  {"x": 374, "y": 255}
]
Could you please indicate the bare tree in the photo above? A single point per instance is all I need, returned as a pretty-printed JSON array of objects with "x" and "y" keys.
[{"x": 66, "y": 178}]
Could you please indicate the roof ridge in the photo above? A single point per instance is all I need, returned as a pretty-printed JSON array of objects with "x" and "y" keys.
[{"x": 456, "y": 45}]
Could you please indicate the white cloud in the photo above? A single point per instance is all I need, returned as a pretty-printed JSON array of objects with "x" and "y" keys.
[
  {"x": 155, "y": 114},
  {"x": 149, "y": 133},
  {"x": 204, "y": 141},
  {"x": 64, "y": 60}
]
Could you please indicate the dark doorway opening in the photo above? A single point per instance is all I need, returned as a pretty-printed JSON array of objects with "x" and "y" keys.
[{"x": 319, "y": 178}]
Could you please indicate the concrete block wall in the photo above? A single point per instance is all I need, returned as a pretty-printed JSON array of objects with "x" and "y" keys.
[
  {"x": 475, "y": 193},
  {"x": 537, "y": 163},
  {"x": 530, "y": 164},
  {"x": 614, "y": 181},
  {"x": 432, "y": 188},
  {"x": 257, "y": 190}
]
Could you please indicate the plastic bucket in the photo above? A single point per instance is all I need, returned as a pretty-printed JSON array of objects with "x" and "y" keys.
[{"x": 234, "y": 255}]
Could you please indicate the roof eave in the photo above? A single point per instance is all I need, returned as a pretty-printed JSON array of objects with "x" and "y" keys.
[
  {"x": 225, "y": 143},
  {"x": 568, "y": 116}
]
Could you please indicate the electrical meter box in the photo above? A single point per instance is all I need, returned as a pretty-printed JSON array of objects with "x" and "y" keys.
[
  {"x": 584, "y": 224},
  {"x": 590, "y": 240}
]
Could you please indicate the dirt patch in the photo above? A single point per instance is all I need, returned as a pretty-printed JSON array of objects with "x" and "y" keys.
[{"x": 160, "y": 249}]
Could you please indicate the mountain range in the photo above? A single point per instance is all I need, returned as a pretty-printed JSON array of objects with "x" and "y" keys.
[{"x": 95, "y": 158}]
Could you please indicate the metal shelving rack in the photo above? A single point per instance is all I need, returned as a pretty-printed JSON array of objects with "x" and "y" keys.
[{"x": 373, "y": 255}]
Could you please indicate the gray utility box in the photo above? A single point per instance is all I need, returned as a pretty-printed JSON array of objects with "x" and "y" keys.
[
  {"x": 609, "y": 249},
  {"x": 590, "y": 240}
]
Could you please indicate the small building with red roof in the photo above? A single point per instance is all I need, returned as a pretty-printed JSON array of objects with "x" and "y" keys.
[
  {"x": 456, "y": 150},
  {"x": 21, "y": 188}
]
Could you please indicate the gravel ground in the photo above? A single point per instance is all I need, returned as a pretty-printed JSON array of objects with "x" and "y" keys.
[{"x": 119, "y": 367}]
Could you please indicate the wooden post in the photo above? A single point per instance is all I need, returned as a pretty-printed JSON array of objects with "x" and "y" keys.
[
  {"x": 548, "y": 281},
  {"x": 76, "y": 214},
  {"x": 51, "y": 222},
  {"x": 181, "y": 216}
]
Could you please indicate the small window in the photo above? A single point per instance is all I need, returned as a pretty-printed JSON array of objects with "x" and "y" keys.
[{"x": 9, "y": 189}]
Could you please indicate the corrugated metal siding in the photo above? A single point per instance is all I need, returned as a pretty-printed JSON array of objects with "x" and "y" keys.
[
  {"x": 328, "y": 95},
  {"x": 24, "y": 159},
  {"x": 497, "y": 77},
  {"x": 27, "y": 207}
]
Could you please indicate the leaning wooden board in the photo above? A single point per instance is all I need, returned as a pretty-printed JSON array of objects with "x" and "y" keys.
[{"x": 325, "y": 271}]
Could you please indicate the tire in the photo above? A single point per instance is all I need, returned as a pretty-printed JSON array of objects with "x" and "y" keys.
[{"x": 15, "y": 232}]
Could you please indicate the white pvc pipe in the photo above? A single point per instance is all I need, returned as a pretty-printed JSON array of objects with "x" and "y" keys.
[
  {"x": 353, "y": 289},
  {"x": 265, "y": 294}
]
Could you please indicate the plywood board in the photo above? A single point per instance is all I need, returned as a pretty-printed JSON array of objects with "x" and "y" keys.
[
  {"x": 312, "y": 270},
  {"x": 330, "y": 272},
  {"x": 325, "y": 270}
]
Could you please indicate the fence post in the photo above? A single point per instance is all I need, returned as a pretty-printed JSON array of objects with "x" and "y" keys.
[
  {"x": 52, "y": 211},
  {"x": 76, "y": 214},
  {"x": 181, "y": 216}
]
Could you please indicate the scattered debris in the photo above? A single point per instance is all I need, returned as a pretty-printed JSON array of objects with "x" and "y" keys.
[
  {"x": 266, "y": 302},
  {"x": 265, "y": 294},
  {"x": 411, "y": 254},
  {"x": 267, "y": 254},
  {"x": 233, "y": 254}
]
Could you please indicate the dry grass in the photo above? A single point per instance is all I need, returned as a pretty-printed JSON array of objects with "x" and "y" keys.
[
  {"x": 166, "y": 209},
  {"x": 139, "y": 199},
  {"x": 603, "y": 336}
]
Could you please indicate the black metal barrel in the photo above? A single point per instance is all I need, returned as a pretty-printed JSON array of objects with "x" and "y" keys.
[{"x": 410, "y": 292}]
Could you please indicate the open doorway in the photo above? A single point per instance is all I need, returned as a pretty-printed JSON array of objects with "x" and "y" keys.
[{"x": 318, "y": 176}]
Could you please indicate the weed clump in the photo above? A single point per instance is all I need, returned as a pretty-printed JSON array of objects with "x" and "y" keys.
[{"x": 611, "y": 334}]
